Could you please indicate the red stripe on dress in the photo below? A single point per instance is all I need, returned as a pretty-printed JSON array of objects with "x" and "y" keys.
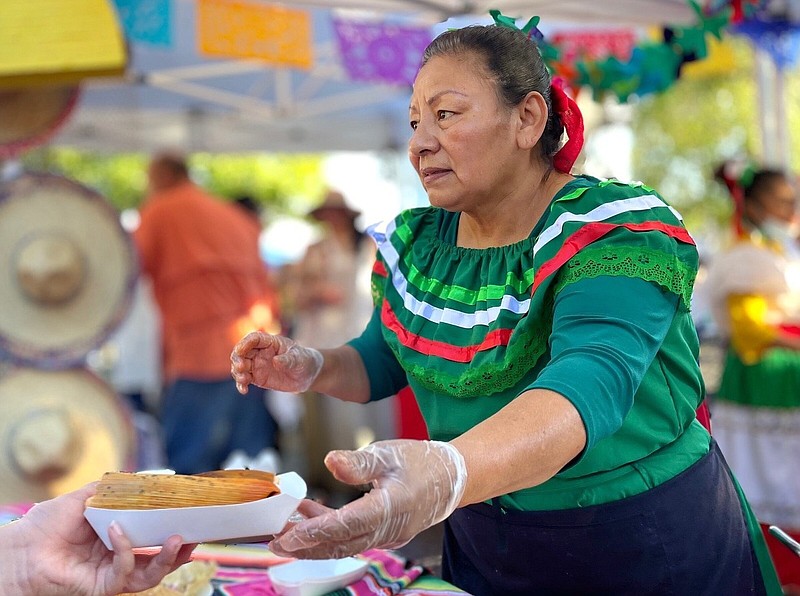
[
  {"x": 593, "y": 232},
  {"x": 429, "y": 347},
  {"x": 379, "y": 268}
]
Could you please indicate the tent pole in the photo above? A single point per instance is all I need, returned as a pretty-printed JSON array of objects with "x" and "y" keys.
[
  {"x": 782, "y": 121},
  {"x": 763, "y": 68},
  {"x": 770, "y": 82}
]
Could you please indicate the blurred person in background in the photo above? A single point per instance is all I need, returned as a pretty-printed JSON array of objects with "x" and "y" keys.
[
  {"x": 253, "y": 210},
  {"x": 134, "y": 370},
  {"x": 211, "y": 285},
  {"x": 328, "y": 300},
  {"x": 754, "y": 292},
  {"x": 136, "y": 366},
  {"x": 329, "y": 292},
  {"x": 250, "y": 207}
]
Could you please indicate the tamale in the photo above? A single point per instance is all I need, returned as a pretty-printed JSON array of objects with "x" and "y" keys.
[{"x": 125, "y": 490}]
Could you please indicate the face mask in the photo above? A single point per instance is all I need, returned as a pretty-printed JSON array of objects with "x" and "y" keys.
[{"x": 778, "y": 230}]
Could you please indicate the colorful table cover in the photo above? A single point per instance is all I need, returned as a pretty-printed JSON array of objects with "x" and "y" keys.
[{"x": 242, "y": 570}]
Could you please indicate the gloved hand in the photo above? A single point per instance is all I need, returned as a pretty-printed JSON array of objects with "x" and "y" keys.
[
  {"x": 416, "y": 484},
  {"x": 274, "y": 362}
]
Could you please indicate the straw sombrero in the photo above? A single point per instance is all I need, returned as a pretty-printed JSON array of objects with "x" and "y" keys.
[
  {"x": 334, "y": 201},
  {"x": 31, "y": 115},
  {"x": 67, "y": 270},
  {"x": 58, "y": 431}
]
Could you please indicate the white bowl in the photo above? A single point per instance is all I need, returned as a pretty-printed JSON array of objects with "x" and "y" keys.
[
  {"x": 244, "y": 522},
  {"x": 316, "y": 577}
]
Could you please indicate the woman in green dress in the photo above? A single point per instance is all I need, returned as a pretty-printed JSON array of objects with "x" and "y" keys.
[
  {"x": 542, "y": 321},
  {"x": 754, "y": 288}
]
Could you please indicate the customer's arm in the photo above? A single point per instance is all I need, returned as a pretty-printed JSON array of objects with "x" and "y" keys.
[{"x": 53, "y": 550}]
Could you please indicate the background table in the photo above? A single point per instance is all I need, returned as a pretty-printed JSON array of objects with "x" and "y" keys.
[{"x": 242, "y": 568}]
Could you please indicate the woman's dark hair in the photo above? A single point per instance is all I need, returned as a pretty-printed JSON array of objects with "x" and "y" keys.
[
  {"x": 172, "y": 162},
  {"x": 248, "y": 203},
  {"x": 753, "y": 184},
  {"x": 514, "y": 63},
  {"x": 761, "y": 183}
]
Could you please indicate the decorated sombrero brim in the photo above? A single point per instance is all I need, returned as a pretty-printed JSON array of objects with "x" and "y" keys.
[
  {"x": 59, "y": 430},
  {"x": 31, "y": 115},
  {"x": 67, "y": 267}
]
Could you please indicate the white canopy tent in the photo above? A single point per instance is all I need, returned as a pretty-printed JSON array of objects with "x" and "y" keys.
[
  {"x": 628, "y": 12},
  {"x": 174, "y": 97}
]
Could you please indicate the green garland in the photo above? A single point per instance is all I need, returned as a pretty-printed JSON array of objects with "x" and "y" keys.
[{"x": 653, "y": 67}]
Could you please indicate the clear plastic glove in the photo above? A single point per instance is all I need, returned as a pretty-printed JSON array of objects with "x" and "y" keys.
[
  {"x": 274, "y": 362},
  {"x": 416, "y": 484}
]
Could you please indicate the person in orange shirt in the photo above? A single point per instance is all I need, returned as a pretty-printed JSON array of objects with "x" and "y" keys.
[{"x": 211, "y": 286}]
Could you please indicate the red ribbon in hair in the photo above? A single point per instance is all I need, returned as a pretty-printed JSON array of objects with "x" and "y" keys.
[
  {"x": 738, "y": 11},
  {"x": 737, "y": 194},
  {"x": 571, "y": 117}
]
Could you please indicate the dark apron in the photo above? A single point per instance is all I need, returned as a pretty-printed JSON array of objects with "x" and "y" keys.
[{"x": 687, "y": 537}]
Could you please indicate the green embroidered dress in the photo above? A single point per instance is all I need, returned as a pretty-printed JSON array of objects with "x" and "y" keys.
[
  {"x": 593, "y": 305},
  {"x": 471, "y": 329}
]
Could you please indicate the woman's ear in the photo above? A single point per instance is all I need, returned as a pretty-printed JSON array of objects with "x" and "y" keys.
[
  {"x": 754, "y": 211},
  {"x": 532, "y": 111}
]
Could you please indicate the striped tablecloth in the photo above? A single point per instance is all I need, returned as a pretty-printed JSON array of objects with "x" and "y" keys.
[{"x": 242, "y": 571}]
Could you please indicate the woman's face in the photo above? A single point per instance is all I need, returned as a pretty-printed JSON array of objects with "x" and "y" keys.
[
  {"x": 463, "y": 145},
  {"x": 777, "y": 202}
]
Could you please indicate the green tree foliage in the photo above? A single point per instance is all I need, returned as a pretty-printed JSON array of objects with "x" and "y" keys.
[
  {"x": 281, "y": 183},
  {"x": 121, "y": 178},
  {"x": 681, "y": 136}
]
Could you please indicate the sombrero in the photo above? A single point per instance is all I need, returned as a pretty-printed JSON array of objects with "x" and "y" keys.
[
  {"x": 334, "y": 201},
  {"x": 58, "y": 431},
  {"x": 31, "y": 115},
  {"x": 67, "y": 269}
]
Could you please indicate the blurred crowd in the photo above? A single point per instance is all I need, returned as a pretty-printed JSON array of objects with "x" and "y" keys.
[
  {"x": 204, "y": 285},
  {"x": 747, "y": 310}
]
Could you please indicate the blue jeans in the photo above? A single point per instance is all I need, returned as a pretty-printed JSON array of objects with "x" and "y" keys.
[{"x": 205, "y": 421}]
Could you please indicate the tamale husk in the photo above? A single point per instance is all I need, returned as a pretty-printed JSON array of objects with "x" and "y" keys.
[{"x": 125, "y": 490}]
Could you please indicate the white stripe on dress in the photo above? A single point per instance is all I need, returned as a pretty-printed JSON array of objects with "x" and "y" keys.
[
  {"x": 601, "y": 213},
  {"x": 434, "y": 313},
  {"x": 508, "y": 302}
]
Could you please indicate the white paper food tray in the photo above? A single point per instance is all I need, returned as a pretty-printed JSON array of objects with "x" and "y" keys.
[{"x": 242, "y": 522}]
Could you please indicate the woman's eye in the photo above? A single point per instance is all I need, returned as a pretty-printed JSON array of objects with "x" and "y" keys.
[{"x": 442, "y": 114}]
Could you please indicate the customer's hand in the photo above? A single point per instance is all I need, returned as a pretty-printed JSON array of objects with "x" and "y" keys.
[
  {"x": 416, "y": 484},
  {"x": 59, "y": 553},
  {"x": 274, "y": 362}
]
